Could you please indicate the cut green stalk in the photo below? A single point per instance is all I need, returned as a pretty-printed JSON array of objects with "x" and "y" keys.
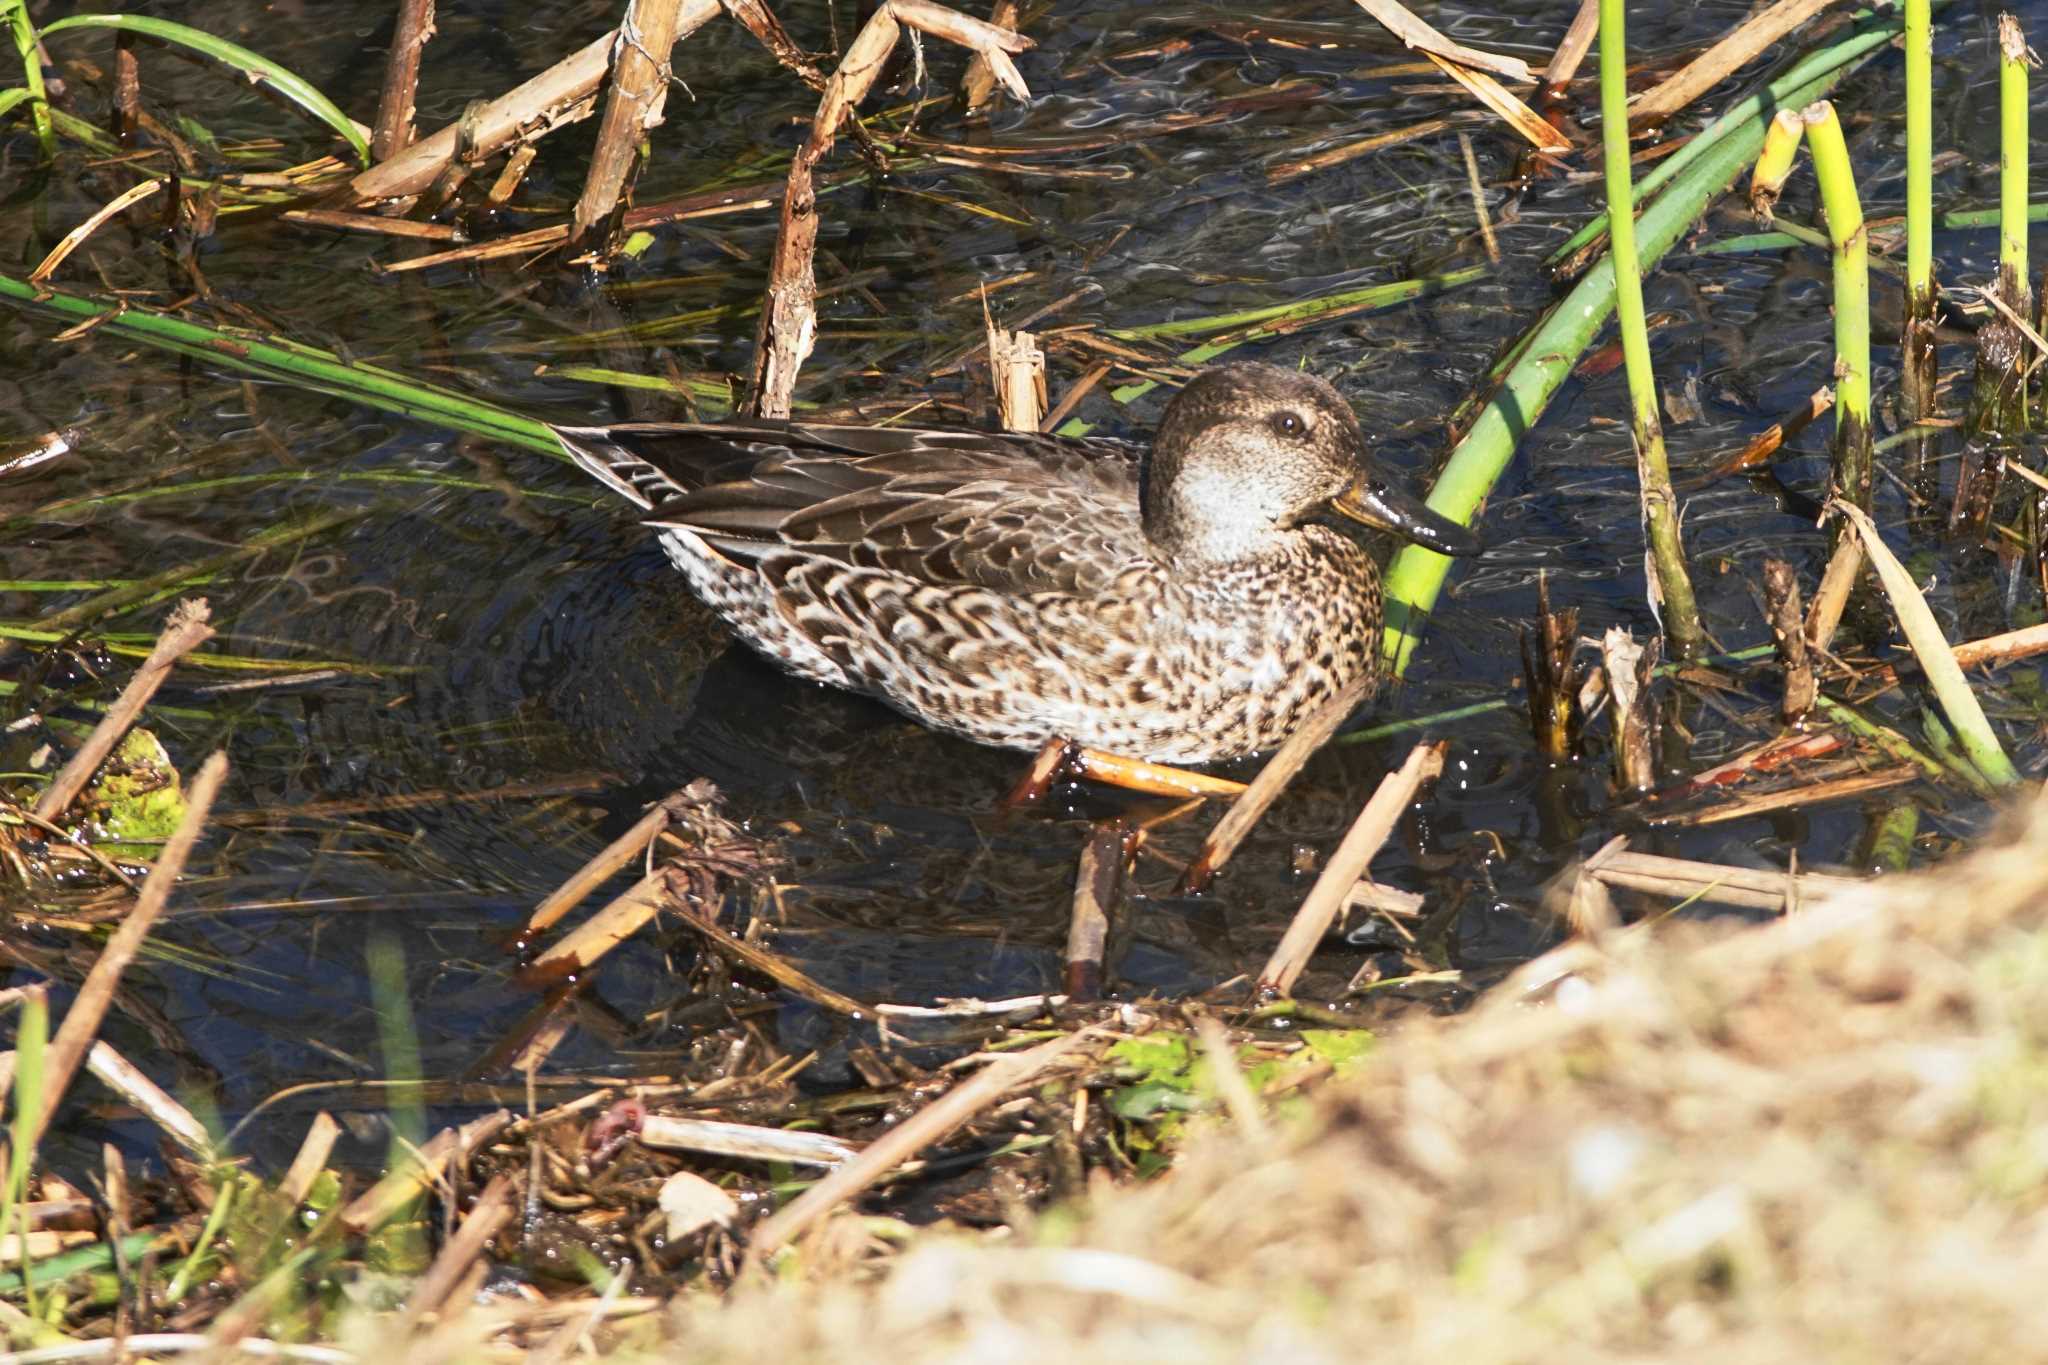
[
  {"x": 1417, "y": 575},
  {"x": 1849, "y": 245},
  {"x": 1937, "y": 658},
  {"x": 1798, "y": 87},
  {"x": 1670, "y": 582},
  {"x": 2001, "y": 398},
  {"x": 24, "y": 32},
  {"x": 1774, "y": 163}
]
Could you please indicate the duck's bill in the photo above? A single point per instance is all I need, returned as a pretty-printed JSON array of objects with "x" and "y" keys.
[{"x": 1373, "y": 502}]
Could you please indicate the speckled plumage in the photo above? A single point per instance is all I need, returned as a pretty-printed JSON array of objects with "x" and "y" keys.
[{"x": 1183, "y": 605}]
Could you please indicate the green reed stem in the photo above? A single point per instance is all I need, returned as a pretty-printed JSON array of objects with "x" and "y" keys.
[
  {"x": 2012, "y": 152},
  {"x": 1541, "y": 365},
  {"x": 1919, "y": 149},
  {"x": 24, "y": 31},
  {"x": 1680, "y": 613},
  {"x": 1849, "y": 246}
]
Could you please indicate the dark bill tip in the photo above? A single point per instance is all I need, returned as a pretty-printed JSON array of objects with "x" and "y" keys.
[{"x": 1373, "y": 502}]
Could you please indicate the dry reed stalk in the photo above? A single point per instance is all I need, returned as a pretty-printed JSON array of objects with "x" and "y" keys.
[
  {"x": 378, "y": 1204},
  {"x": 1788, "y": 631},
  {"x": 1419, "y": 36},
  {"x": 127, "y": 1080},
  {"x": 310, "y": 1160},
  {"x": 750, "y": 1141},
  {"x": 1810, "y": 795},
  {"x": 375, "y": 226},
  {"x": 930, "y": 1124},
  {"x": 757, "y": 19},
  {"x": 1017, "y": 367},
  {"x": 1347, "y": 865},
  {"x": 1280, "y": 172},
  {"x": 978, "y": 85},
  {"x": 789, "y": 316},
  {"x": 1479, "y": 199},
  {"x": 393, "y": 131},
  {"x": 1231, "y": 1086},
  {"x": 600, "y": 868},
  {"x": 778, "y": 969},
  {"x": 1765, "y": 443},
  {"x": 1287, "y": 760},
  {"x": 1741, "y": 46},
  {"x": 639, "y": 93},
  {"x": 1097, "y": 882},
  {"x": 1497, "y": 97},
  {"x": 1071, "y": 399},
  {"x": 493, "y": 1208},
  {"x": 1629, "y": 667},
  {"x": 126, "y": 105},
  {"x": 1573, "y": 47},
  {"x": 81, "y": 1024},
  {"x": 1831, "y": 598},
  {"x": 622, "y": 917},
  {"x": 75, "y": 238},
  {"x": 1685, "y": 879}
]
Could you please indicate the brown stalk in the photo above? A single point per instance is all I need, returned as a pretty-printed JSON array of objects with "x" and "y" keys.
[
  {"x": 599, "y": 869},
  {"x": 778, "y": 969},
  {"x": 622, "y": 917},
  {"x": 1685, "y": 879},
  {"x": 378, "y": 1204},
  {"x": 978, "y": 85},
  {"x": 1017, "y": 367},
  {"x": 1287, "y": 760},
  {"x": 1419, "y": 36},
  {"x": 1767, "y": 442},
  {"x": 757, "y": 19},
  {"x": 1831, "y": 598},
  {"x": 1788, "y": 631},
  {"x": 82, "y": 1021},
  {"x": 184, "y": 632},
  {"x": 1281, "y": 172},
  {"x": 640, "y": 81},
  {"x": 1632, "y": 716},
  {"x": 127, "y": 99},
  {"x": 128, "y": 1081},
  {"x": 1741, "y": 46},
  {"x": 904, "y": 1141},
  {"x": 1502, "y": 101},
  {"x": 375, "y": 226},
  {"x": 1800, "y": 796},
  {"x": 490, "y": 1212},
  {"x": 1572, "y": 49},
  {"x": 310, "y": 1160},
  {"x": 1097, "y": 883},
  {"x": 789, "y": 318},
  {"x": 76, "y": 238},
  {"x": 1353, "y": 855},
  {"x": 1551, "y": 676},
  {"x": 394, "y": 132},
  {"x": 710, "y": 204}
]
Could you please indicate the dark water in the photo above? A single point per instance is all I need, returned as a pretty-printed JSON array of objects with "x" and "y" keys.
[{"x": 527, "y": 634}]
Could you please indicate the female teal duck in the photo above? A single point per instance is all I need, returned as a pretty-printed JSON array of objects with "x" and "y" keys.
[{"x": 1189, "y": 604}]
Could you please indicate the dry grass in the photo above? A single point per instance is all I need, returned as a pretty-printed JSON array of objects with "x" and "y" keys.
[{"x": 1825, "y": 1139}]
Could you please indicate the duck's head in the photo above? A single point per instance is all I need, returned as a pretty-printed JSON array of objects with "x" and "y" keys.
[{"x": 1247, "y": 455}]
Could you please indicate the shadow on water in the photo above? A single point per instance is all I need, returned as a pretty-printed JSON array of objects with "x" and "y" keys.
[{"x": 522, "y": 631}]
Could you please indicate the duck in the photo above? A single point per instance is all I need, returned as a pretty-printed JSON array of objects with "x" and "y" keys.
[{"x": 1189, "y": 601}]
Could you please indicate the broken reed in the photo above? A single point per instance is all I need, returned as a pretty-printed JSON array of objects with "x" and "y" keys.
[
  {"x": 1917, "y": 365},
  {"x": 1670, "y": 582},
  {"x": 2001, "y": 397}
]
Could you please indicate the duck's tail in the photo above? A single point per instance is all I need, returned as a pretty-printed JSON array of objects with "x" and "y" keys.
[{"x": 631, "y": 476}]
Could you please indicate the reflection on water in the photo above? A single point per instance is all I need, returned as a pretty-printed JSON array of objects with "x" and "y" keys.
[{"x": 523, "y": 632}]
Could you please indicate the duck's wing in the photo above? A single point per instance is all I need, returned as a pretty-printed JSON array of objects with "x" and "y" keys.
[{"x": 1008, "y": 512}]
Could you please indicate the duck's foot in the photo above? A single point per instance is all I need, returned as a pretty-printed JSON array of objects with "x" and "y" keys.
[{"x": 1062, "y": 760}]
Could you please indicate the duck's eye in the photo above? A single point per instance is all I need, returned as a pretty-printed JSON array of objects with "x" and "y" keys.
[{"x": 1289, "y": 424}]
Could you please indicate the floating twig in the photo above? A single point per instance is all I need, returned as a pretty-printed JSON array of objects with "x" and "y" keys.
[{"x": 393, "y": 131}]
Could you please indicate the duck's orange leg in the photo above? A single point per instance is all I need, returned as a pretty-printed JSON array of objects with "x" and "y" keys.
[{"x": 1064, "y": 760}]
